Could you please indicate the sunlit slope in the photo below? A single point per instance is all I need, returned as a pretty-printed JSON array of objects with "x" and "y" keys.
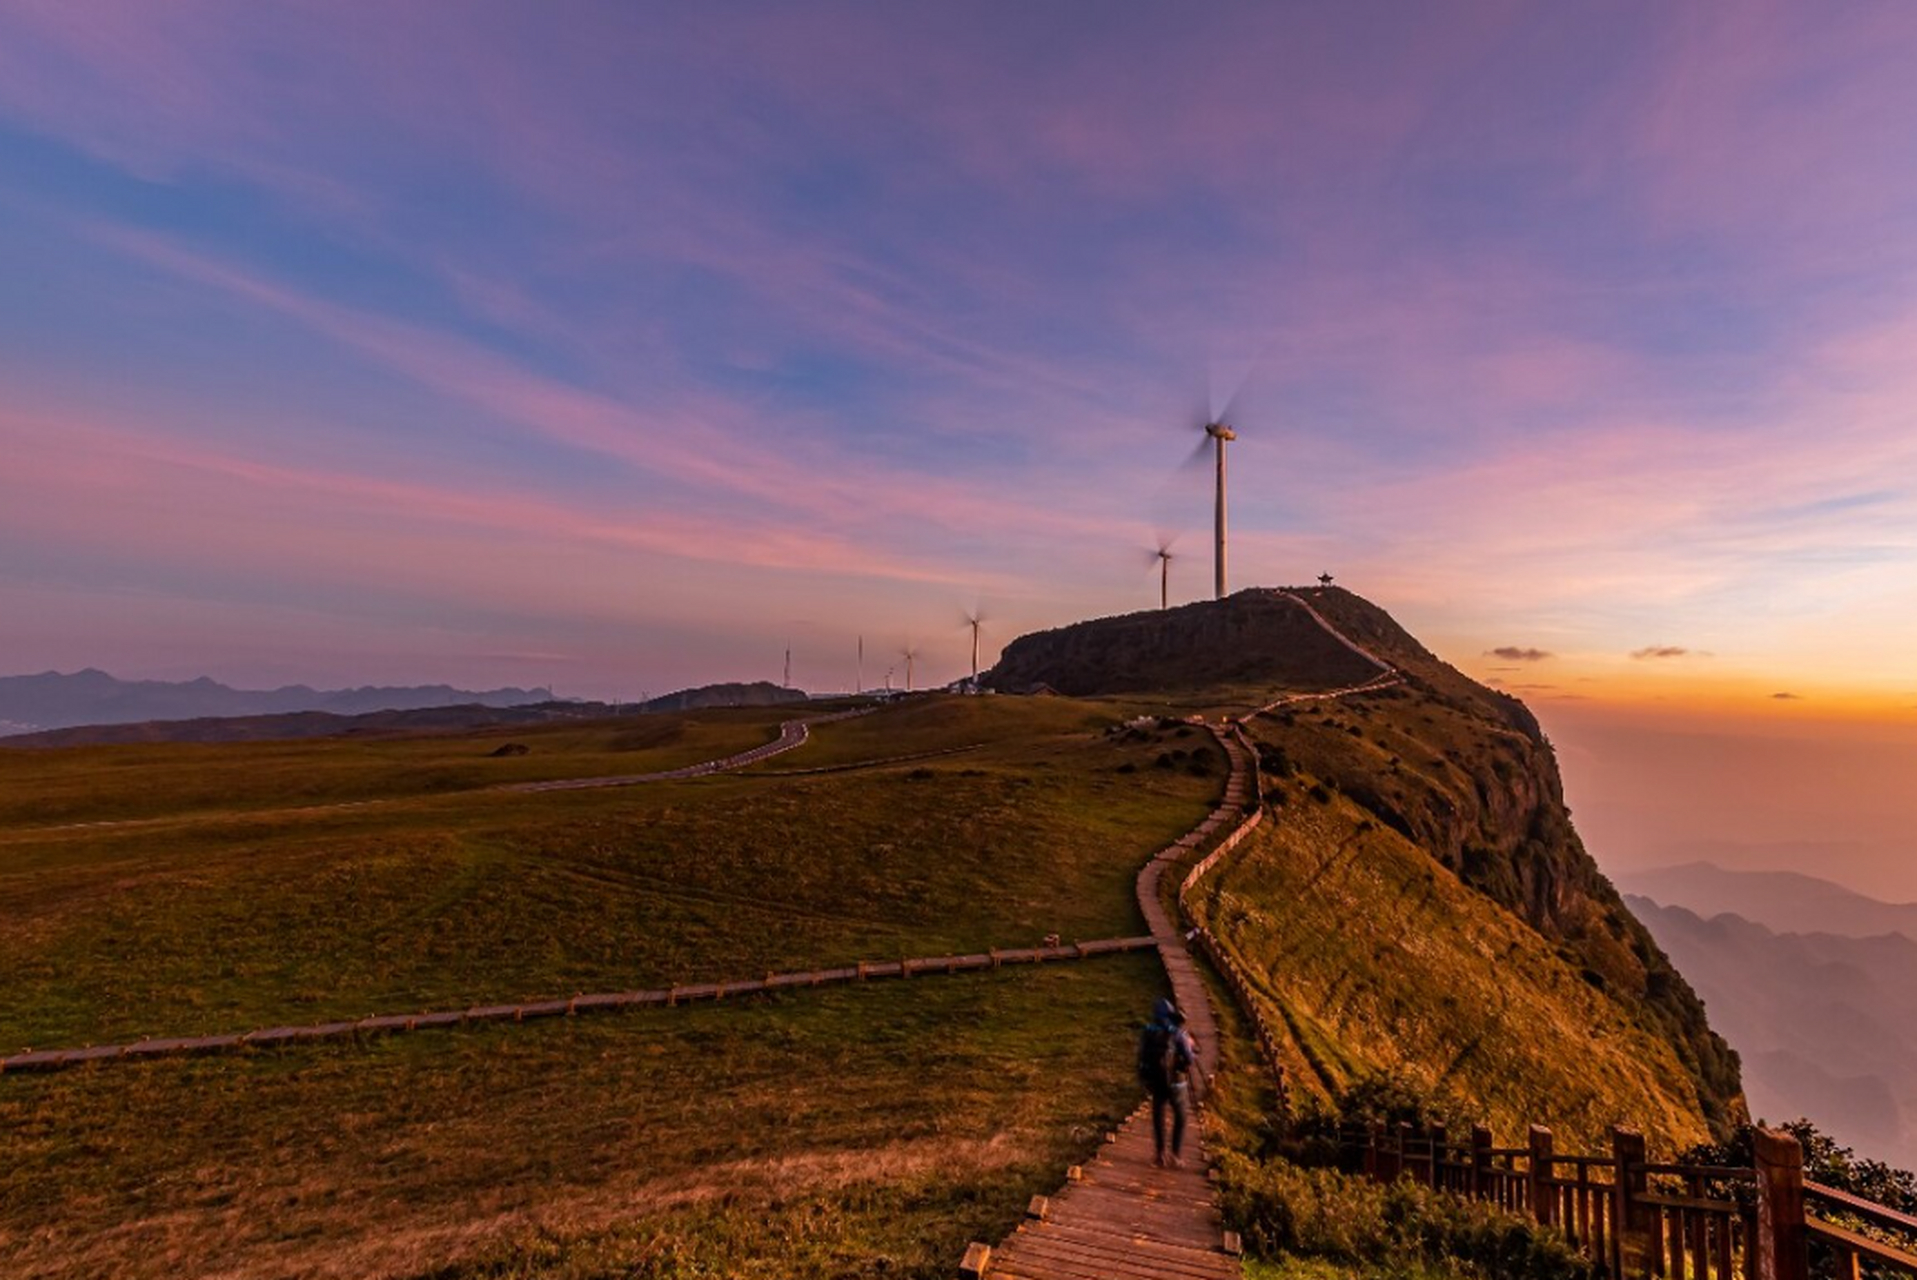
[
  {"x": 1384, "y": 966},
  {"x": 1464, "y": 774}
]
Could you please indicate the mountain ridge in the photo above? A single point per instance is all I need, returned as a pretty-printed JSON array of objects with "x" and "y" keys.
[
  {"x": 1784, "y": 901},
  {"x": 1823, "y": 1020},
  {"x": 90, "y": 696},
  {"x": 1429, "y": 774}
]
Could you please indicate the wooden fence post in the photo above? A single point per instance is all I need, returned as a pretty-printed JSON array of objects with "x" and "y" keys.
[
  {"x": 1783, "y": 1251},
  {"x": 1437, "y": 1132},
  {"x": 1630, "y": 1217},
  {"x": 1401, "y": 1133},
  {"x": 1481, "y": 1144},
  {"x": 1543, "y": 1195},
  {"x": 1375, "y": 1154}
]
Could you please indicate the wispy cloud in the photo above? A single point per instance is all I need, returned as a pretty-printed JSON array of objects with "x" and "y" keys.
[
  {"x": 1661, "y": 651},
  {"x": 1516, "y": 653}
]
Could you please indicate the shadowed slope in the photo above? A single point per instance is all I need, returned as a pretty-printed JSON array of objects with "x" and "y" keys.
[{"x": 1255, "y": 640}]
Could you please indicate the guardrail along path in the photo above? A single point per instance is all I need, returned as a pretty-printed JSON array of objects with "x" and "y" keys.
[{"x": 1121, "y": 1217}]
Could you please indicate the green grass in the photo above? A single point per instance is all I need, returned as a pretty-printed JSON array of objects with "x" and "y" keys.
[
  {"x": 841, "y": 1132},
  {"x": 238, "y": 921},
  {"x": 47, "y": 787}
]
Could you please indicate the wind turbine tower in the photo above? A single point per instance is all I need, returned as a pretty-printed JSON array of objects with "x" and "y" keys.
[
  {"x": 1221, "y": 434},
  {"x": 973, "y": 620},
  {"x": 909, "y": 655},
  {"x": 1164, "y": 577}
]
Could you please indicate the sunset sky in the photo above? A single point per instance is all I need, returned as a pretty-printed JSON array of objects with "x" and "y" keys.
[{"x": 618, "y": 346}]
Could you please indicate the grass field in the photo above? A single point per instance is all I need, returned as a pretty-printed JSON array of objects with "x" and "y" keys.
[
  {"x": 841, "y": 1132},
  {"x": 188, "y": 780},
  {"x": 869, "y": 1130},
  {"x": 225, "y": 921}
]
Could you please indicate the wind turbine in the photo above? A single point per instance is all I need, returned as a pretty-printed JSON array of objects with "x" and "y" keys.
[
  {"x": 1219, "y": 433},
  {"x": 908, "y": 653},
  {"x": 972, "y": 620},
  {"x": 1163, "y": 558}
]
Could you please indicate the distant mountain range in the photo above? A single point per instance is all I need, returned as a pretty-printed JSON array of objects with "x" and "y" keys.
[
  {"x": 1814, "y": 985},
  {"x": 154, "y": 711},
  {"x": 1786, "y": 901},
  {"x": 51, "y": 700}
]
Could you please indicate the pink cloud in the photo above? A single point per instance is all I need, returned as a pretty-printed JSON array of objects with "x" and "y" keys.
[
  {"x": 696, "y": 440},
  {"x": 115, "y": 488}
]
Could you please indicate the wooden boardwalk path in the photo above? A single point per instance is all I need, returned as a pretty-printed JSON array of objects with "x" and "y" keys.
[{"x": 1121, "y": 1217}]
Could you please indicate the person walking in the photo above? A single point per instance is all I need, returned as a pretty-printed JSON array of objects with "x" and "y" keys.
[{"x": 1166, "y": 1059}]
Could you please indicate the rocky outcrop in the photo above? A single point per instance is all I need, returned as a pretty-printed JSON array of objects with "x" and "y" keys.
[{"x": 1254, "y": 643}]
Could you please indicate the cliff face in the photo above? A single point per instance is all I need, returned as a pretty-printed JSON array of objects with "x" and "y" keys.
[
  {"x": 1466, "y": 773},
  {"x": 1436, "y": 766}
]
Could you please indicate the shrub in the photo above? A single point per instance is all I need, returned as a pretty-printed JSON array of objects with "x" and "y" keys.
[{"x": 1280, "y": 1208}]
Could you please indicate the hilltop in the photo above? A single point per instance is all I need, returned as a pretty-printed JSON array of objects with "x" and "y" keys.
[
  {"x": 757, "y": 693},
  {"x": 1390, "y": 802},
  {"x": 1253, "y": 640}
]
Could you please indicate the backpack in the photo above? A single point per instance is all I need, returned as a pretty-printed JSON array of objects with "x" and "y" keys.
[{"x": 1162, "y": 1060}]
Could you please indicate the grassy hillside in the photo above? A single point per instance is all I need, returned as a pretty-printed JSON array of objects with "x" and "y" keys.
[
  {"x": 1381, "y": 964},
  {"x": 1418, "y": 912},
  {"x": 221, "y": 913},
  {"x": 182, "y": 780},
  {"x": 1465, "y": 774},
  {"x": 845, "y": 1132},
  {"x": 838, "y": 1132}
]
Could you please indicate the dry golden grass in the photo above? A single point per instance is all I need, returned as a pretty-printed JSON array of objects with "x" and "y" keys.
[{"x": 896, "y": 1120}]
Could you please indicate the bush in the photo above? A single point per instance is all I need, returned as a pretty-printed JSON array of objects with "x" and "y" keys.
[{"x": 1280, "y": 1208}]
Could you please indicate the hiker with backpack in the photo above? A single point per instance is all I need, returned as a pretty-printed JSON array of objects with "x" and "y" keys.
[{"x": 1166, "y": 1059}]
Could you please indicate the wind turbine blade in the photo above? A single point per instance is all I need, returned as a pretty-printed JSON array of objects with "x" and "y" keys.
[
  {"x": 1242, "y": 396},
  {"x": 1200, "y": 456}
]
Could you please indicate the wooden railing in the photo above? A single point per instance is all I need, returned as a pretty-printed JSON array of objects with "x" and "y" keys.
[
  {"x": 1850, "y": 1247},
  {"x": 1640, "y": 1220},
  {"x": 1250, "y": 792}
]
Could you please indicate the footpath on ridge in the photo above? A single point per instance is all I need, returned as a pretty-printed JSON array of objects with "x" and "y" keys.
[
  {"x": 1121, "y": 1217},
  {"x": 793, "y": 734}
]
